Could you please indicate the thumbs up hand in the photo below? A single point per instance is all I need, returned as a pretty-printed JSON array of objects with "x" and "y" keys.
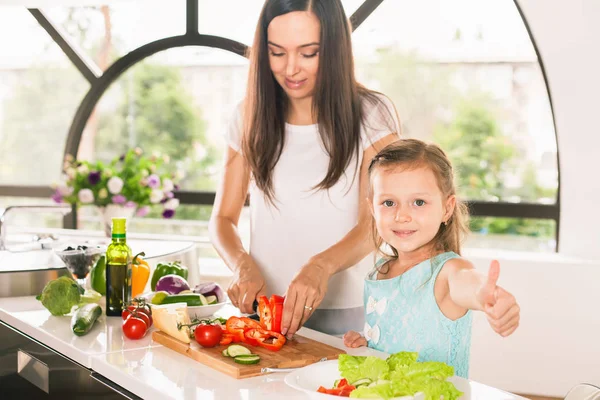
[{"x": 501, "y": 308}]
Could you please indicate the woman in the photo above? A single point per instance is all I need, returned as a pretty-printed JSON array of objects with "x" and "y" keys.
[{"x": 300, "y": 145}]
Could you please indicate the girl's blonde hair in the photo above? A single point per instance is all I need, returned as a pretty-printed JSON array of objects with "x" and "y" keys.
[{"x": 412, "y": 154}]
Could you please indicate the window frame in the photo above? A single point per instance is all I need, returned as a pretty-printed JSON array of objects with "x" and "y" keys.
[{"x": 101, "y": 81}]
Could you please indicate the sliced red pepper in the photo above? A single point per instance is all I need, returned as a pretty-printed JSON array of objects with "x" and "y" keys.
[
  {"x": 252, "y": 336},
  {"x": 226, "y": 338},
  {"x": 249, "y": 323},
  {"x": 276, "y": 304},
  {"x": 235, "y": 326},
  {"x": 234, "y": 323},
  {"x": 264, "y": 312},
  {"x": 322, "y": 389},
  {"x": 271, "y": 341},
  {"x": 343, "y": 382}
]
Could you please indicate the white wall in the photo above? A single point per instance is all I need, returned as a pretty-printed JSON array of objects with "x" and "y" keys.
[{"x": 557, "y": 344}]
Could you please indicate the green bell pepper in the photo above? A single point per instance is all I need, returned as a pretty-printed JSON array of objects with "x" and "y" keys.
[{"x": 163, "y": 269}]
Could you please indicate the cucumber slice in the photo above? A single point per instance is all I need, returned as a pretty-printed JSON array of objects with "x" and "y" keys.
[
  {"x": 236, "y": 350},
  {"x": 247, "y": 359},
  {"x": 225, "y": 353},
  {"x": 212, "y": 299},
  {"x": 361, "y": 382},
  {"x": 203, "y": 300}
]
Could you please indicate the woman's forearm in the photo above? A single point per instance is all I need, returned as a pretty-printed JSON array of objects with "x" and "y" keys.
[
  {"x": 223, "y": 233},
  {"x": 349, "y": 251}
]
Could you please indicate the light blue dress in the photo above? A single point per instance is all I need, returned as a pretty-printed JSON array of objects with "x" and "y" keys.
[{"x": 402, "y": 315}]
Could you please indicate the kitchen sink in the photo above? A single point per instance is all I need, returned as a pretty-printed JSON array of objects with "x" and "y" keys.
[{"x": 29, "y": 263}]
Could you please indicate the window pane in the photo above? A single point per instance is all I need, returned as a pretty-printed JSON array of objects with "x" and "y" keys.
[
  {"x": 516, "y": 234},
  {"x": 232, "y": 19},
  {"x": 177, "y": 103},
  {"x": 107, "y": 32},
  {"x": 465, "y": 74},
  {"x": 40, "y": 91}
]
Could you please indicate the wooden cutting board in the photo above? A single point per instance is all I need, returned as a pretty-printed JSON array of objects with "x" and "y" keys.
[{"x": 298, "y": 352}]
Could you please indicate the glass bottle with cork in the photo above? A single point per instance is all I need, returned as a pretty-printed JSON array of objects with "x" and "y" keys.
[{"x": 118, "y": 269}]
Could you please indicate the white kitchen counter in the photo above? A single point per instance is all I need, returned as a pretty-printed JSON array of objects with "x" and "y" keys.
[{"x": 152, "y": 371}]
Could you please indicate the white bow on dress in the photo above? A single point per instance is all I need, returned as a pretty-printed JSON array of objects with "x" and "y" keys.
[{"x": 378, "y": 306}]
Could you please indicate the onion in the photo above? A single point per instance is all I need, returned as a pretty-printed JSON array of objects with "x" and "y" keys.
[
  {"x": 172, "y": 284},
  {"x": 211, "y": 289}
]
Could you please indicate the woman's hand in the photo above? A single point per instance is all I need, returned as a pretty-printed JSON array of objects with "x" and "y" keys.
[
  {"x": 501, "y": 308},
  {"x": 305, "y": 293},
  {"x": 354, "y": 339},
  {"x": 247, "y": 285}
]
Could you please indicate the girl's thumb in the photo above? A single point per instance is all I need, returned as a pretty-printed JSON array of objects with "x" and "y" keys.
[{"x": 492, "y": 279}]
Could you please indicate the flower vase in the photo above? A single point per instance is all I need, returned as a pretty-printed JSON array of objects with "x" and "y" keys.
[{"x": 111, "y": 211}]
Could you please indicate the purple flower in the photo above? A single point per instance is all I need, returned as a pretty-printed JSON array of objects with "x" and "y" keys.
[
  {"x": 143, "y": 211},
  {"x": 168, "y": 213},
  {"x": 131, "y": 204},
  {"x": 56, "y": 196},
  {"x": 94, "y": 177},
  {"x": 119, "y": 199},
  {"x": 153, "y": 181},
  {"x": 176, "y": 187}
]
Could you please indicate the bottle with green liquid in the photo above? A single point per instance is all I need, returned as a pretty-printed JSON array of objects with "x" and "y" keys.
[{"x": 118, "y": 269}]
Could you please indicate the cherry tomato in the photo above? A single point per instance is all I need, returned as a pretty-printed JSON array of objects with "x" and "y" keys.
[
  {"x": 208, "y": 335},
  {"x": 134, "y": 327},
  {"x": 140, "y": 310}
]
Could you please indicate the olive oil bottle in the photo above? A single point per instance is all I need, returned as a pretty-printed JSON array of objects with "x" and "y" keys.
[{"x": 118, "y": 269}]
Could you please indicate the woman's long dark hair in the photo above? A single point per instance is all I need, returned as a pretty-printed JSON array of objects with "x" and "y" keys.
[{"x": 337, "y": 101}]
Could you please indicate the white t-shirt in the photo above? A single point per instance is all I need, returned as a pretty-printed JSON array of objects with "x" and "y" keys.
[{"x": 307, "y": 222}]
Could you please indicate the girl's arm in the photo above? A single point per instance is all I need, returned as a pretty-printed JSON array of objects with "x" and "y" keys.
[
  {"x": 248, "y": 282},
  {"x": 309, "y": 286},
  {"x": 468, "y": 289}
]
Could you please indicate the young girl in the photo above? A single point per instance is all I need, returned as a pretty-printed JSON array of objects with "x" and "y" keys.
[{"x": 420, "y": 297}]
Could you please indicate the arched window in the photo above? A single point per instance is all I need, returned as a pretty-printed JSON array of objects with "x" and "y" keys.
[{"x": 461, "y": 73}]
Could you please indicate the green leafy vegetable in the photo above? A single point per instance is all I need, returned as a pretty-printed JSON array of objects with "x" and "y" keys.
[
  {"x": 60, "y": 295},
  {"x": 402, "y": 359},
  {"x": 354, "y": 368},
  {"x": 400, "y": 375}
]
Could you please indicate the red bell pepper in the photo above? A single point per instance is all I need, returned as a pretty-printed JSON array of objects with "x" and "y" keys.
[
  {"x": 270, "y": 312},
  {"x": 342, "y": 389},
  {"x": 276, "y": 303},
  {"x": 235, "y": 327},
  {"x": 265, "y": 313},
  {"x": 252, "y": 336},
  {"x": 226, "y": 339},
  {"x": 249, "y": 323},
  {"x": 273, "y": 341}
]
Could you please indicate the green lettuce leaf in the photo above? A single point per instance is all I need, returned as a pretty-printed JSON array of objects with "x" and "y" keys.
[
  {"x": 402, "y": 359},
  {"x": 435, "y": 388},
  {"x": 354, "y": 368},
  {"x": 429, "y": 369}
]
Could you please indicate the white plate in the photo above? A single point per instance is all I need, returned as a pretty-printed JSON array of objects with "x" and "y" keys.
[
  {"x": 309, "y": 378},
  {"x": 205, "y": 311}
]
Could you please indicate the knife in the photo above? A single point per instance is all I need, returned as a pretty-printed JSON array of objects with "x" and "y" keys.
[{"x": 267, "y": 370}]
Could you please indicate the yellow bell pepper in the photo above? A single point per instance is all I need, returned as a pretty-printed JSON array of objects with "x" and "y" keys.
[{"x": 140, "y": 272}]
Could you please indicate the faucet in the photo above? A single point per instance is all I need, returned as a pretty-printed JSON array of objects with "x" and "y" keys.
[{"x": 63, "y": 209}]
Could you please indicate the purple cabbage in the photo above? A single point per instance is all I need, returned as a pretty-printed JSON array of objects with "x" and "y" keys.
[
  {"x": 211, "y": 289},
  {"x": 172, "y": 284}
]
